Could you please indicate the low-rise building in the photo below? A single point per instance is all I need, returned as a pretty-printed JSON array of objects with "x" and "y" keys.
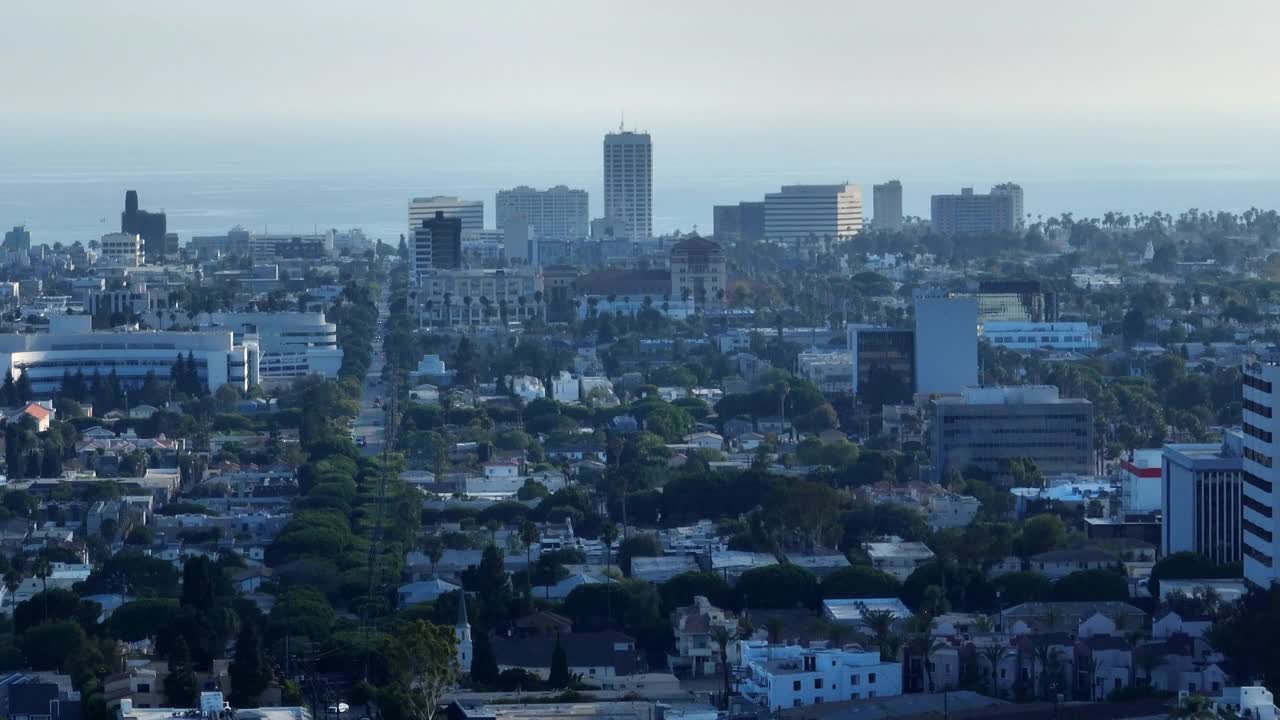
[
  {"x": 1057, "y": 564},
  {"x": 1025, "y": 336},
  {"x": 697, "y": 653},
  {"x": 778, "y": 677},
  {"x": 898, "y": 559}
]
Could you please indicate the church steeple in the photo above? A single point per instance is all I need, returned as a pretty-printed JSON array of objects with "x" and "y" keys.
[{"x": 462, "y": 629}]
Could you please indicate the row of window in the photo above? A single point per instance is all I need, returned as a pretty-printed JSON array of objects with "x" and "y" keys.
[
  {"x": 1262, "y": 558},
  {"x": 1254, "y": 505},
  {"x": 1257, "y": 383},
  {"x": 1257, "y": 432},
  {"x": 1257, "y": 408},
  {"x": 1263, "y": 460},
  {"x": 853, "y": 680},
  {"x": 1256, "y": 530}
]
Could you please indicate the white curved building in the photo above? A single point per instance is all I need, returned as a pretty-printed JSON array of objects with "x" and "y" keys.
[
  {"x": 70, "y": 346},
  {"x": 292, "y": 344}
]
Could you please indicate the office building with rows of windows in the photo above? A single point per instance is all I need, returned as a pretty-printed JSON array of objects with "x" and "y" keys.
[
  {"x": 986, "y": 427},
  {"x": 1259, "y": 501}
]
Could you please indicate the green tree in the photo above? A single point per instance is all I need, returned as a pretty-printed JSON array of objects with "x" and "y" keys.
[
  {"x": 860, "y": 581},
  {"x": 1043, "y": 533},
  {"x": 249, "y": 671},
  {"x": 484, "y": 666},
  {"x": 559, "y": 677},
  {"x": 180, "y": 683},
  {"x": 424, "y": 660}
]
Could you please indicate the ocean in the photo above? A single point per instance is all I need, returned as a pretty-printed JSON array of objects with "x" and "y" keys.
[{"x": 72, "y": 188}]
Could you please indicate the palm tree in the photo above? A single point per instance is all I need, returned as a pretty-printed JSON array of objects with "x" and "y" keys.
[
  {"x": 879, "y": 624},
  {"x": 608, "y": 534},
  {"x": 774, "y": 626},
  {"x": 43, "y": 569},
  {"x": 12, "y": 579},
  {"x": 1049, "y": 659},
  {"x": 722, "y": 636},
  {"x": 1093, "y": 666},
  {"x": 994, "y": 654}
]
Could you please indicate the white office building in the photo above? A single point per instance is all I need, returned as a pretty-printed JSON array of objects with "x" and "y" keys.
[
  {"x": 558, "y": 213},
  {"x": 71, "y": 346},
  {"x": 781, "y": 677},
  {"x": 628, "y": 182},
  {"x": 1260, "y": 502},
  {"x": 121, "y": 250},
  {"x": 470, "y": 211},
  {"x": 946, "y": 342},
  {"x": 1202, "y": 499},
  {"x": 291, "y": 344},
  {"x": 802, "y": 212},
  {"x": 1024, "y": 336}
]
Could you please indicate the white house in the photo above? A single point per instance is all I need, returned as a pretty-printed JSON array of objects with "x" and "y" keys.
[
  {"x": 779, "y": 677},
  {"x": 1057, "y": 564},
  {"x": 564, "y": 388},
  {"x": 423, "y": 591},
  {"x": 705, "y": 440},
  {"x": 1171, "y": 623},
  {"x": 527, "y": 387},
  {"x": 898, "y": 559},
  {"x": 1252, "y": 701},
  {"x": 697, "y": 654}
]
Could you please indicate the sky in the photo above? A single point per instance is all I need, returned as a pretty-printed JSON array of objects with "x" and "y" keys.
[{"x": 744, "y": 95}]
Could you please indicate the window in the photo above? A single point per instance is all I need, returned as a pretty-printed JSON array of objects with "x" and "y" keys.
[
  {"x": 817, "y": 683},
  {"x": 854, "y": 679},
  {"x": 855, "y": 696},
  {"x": 795, "y": 703},
  {"x": 871, "y": 693},
  {"x": 871, "y": 678},
  {"x": 144, "y": 687},
  {"x": 795, "y": 685},
  {"x": 817, "y": 700}
]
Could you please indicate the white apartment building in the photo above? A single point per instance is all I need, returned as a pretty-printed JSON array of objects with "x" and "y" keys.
[
  {"x": 71, "y": 346},
  {"x": 779, "y": 677},
  {"x": 526, "y": 387},
  {"x": 291, "y": 344},
  {"x": 121, "y": 250},
  {"x": 557, "y": 213},
  {"x": 474, "y": 297},
  {"x": 423, "y": 208},
  {"x": 898, "y": 559},
  {"x": 628, "y": 182},
  {"x": 1260, "y": 502},
  {"x": 1040, "y": 336},
  {"x": 801, "y": 212}
]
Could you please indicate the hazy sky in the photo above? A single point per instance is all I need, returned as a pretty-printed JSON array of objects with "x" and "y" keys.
[
  {"x": 663, "y": 62},
  {"x": 465, "y": 97}
]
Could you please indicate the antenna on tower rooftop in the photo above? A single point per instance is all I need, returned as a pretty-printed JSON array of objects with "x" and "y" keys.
[{"x": 622, "y": 121}]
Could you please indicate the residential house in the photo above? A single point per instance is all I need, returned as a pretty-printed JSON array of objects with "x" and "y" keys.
[
  {"x": 662, "y": 569},
  {"x": 1171, "y": 623},
  {"x": 423, "y": 591},
  {"x": 851, "y": 611},
  {"x": 705, "y": 440},
  {"x": 749, "y": 441},
  {"x": 1057, "y": 564},
  {"x": 820, "y": 563},
  {"x": 697, "y": 653},
  {"x": 898, "y": 559},
  {"x": 592, "y": 655},
  {"x": 734, "y": 427}
]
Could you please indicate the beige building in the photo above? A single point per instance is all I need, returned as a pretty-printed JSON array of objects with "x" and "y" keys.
[
  {"x": 479, "y": 297},
  {"x": 698, "y": 272}
]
